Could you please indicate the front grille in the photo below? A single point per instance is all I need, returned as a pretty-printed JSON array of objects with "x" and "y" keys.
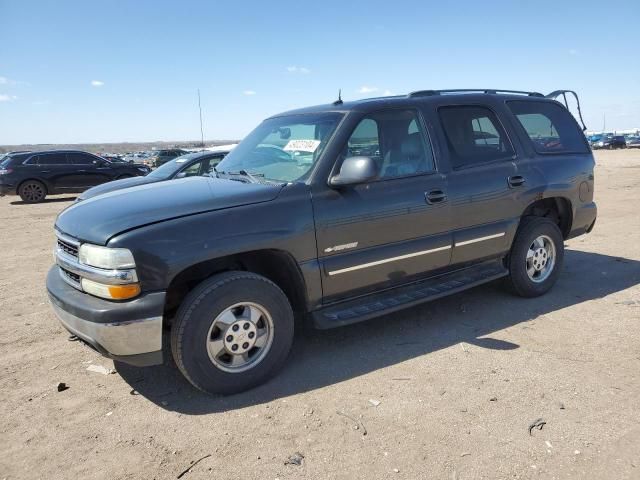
[
  {"x": 70, "y": 275},
  {"x": 68, "y": 248}
]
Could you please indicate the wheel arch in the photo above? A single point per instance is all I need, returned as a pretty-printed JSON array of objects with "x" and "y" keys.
[
  {"x": 559, "y": 209},
  {"x": 277, "y": 265}
]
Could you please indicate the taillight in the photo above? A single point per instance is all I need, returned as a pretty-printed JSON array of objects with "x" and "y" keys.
[{"x": 5, "y": 171}]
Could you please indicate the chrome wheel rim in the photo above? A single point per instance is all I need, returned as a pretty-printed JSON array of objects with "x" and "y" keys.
[
  {"x": 240, "y": 337},
  {"x": 541, "y": 259},
  {"x": 33, "y": 192}
]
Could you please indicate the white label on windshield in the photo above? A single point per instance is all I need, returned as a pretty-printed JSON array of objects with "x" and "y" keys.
[{"x": 302, "y": 146}]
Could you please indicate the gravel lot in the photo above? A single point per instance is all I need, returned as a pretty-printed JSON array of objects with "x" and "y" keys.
[{"x": 458, "y": 381}]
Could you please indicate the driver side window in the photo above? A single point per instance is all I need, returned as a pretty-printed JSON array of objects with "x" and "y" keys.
[{"x": 395, "y": 140}]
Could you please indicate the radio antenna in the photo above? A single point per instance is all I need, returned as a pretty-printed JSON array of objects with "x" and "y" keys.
[
  {"x": 201, "y": 130},
  {"x": 339, "y": 100}
]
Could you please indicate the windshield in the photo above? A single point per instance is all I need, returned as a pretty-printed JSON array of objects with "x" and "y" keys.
[
  {"x": 166, "y": 170},
  {"x": 282, "y": 149}
]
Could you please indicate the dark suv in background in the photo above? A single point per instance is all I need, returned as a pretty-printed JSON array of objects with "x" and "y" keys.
[
  {"x": 610, "y": 143},
  {"x": 34, "y": 175}
]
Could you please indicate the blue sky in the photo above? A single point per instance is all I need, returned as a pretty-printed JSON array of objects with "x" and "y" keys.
[{"x": 109, "y": 71}]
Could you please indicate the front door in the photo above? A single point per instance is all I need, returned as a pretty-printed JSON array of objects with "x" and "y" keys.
[
  {"x": 90, "y": 170},
  {"x": 391, "y": 230}
]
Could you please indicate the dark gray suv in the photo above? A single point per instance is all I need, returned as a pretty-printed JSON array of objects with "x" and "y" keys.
[{"x": 334, "y": 214}]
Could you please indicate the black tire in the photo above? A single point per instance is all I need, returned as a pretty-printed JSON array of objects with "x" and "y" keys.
[
  {"x": 196, "y": 315},
  {"x": 530, "y": 229},
  {"x": 32, "y": 191}
]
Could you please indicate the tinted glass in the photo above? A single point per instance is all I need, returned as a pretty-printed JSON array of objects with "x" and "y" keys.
[
  {"x": 52, "y": 159},
  {"x": 474, "y": 136},
  {"x": 80, "y": 158},
  {"x": 550, "y": 127},
  {"x": 395, "y": 140},
  {"x": 15, "y": 159}
]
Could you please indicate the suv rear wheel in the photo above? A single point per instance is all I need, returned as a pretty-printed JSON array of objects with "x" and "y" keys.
[
  {"x": 232, "y": 332},
  {"x": 32, "y": 191},
  {"x": 536, "y": 257}
]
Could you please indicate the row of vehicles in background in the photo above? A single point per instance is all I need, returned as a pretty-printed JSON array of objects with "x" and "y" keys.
[
  {"x": 34, "y": 175},
  {"x": 611, "y": 141}
]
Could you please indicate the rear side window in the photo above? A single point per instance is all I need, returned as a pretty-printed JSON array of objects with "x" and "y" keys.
[
  {"x": 52, "y": 159},
  {"x": 550, "y": 127},
  {"x": 474, "y": 136}
]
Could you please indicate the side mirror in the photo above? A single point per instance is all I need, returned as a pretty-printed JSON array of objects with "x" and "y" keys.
[
  {"x": 181, "y": 175},
  {"x": 355, "y": 170}
]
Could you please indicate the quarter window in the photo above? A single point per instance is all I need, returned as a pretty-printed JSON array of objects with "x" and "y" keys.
[
  {"x": 396, "y": 142},
  {"x": 474, "y": 136},
  {"x": 550, "y": 127}
]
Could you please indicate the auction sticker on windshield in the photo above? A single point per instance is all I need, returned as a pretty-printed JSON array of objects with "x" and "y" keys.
[{"x": 302, "y": 146}]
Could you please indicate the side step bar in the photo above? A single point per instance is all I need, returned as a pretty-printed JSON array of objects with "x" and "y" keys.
[{"x": 388, "y": 301}]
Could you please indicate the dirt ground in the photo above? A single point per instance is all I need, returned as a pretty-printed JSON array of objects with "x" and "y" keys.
[{"x": 458, "y": 380}]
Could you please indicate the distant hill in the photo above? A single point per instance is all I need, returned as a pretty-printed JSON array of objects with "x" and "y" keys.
[{"x": 113, "y": 147}]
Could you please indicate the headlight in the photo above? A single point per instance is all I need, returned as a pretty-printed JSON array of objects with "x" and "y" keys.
[{"x": 104, "y": 257}]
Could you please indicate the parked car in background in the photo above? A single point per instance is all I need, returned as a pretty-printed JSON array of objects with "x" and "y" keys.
[
  {"x": 610, "y": 143},
  {"x": 160, "y": 157},
  {"x": 189, "y": 165},
  {"x": 35, "y": 175},
  {"x": 633, "y": 142},
  {"x": 122, "y": 161}
]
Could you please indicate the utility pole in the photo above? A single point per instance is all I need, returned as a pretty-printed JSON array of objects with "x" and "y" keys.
[{"x": 201, "y": 130}]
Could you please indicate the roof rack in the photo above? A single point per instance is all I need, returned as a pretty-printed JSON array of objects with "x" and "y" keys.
[{"x": 493, "y": 91}]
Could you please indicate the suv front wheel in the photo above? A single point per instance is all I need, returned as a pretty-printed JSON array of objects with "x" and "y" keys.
[
  {"x": 536, "y": 257},
  {"x": 232, "y": 332}
]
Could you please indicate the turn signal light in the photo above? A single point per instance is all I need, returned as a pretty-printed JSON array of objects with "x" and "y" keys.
[{"x": 111, "y": 292}]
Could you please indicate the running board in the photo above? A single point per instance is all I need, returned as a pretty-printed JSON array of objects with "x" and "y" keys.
[{"x": 388, "y": 301}]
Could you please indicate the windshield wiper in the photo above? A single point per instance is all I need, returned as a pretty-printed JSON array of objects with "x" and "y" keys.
[{"x": 241, "y": 173}]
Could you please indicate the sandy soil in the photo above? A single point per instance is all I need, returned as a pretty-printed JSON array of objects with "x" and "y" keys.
[{"x": 459, "y": 380}]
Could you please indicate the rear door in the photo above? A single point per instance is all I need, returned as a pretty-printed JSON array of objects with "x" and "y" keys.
[
  {"x": 55, "y": 169},
  {"x": 484, "y": 182},
  {"x": 386, "y": 232}
]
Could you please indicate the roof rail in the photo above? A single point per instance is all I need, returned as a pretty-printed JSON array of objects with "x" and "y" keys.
[{"x": 429, "y": 93}]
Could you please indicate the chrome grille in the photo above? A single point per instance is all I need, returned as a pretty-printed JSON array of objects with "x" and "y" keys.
[
  {"x": 74, "y": 277},
  {"x": 68, "y": 248}
]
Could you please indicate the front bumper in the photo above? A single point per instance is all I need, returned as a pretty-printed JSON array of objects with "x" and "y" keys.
[{"x": 130, "y": 331}]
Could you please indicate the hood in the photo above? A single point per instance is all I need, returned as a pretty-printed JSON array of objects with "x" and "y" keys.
[
  {"x": 116, "y": 185},
  {"x": 98, "y": 219}
]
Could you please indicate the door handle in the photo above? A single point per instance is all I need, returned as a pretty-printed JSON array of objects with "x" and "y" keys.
[
  {"x": 435, "y": 196},
  {"x": 516, "y": 181},
  {"x": 45, "y": 171}
]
